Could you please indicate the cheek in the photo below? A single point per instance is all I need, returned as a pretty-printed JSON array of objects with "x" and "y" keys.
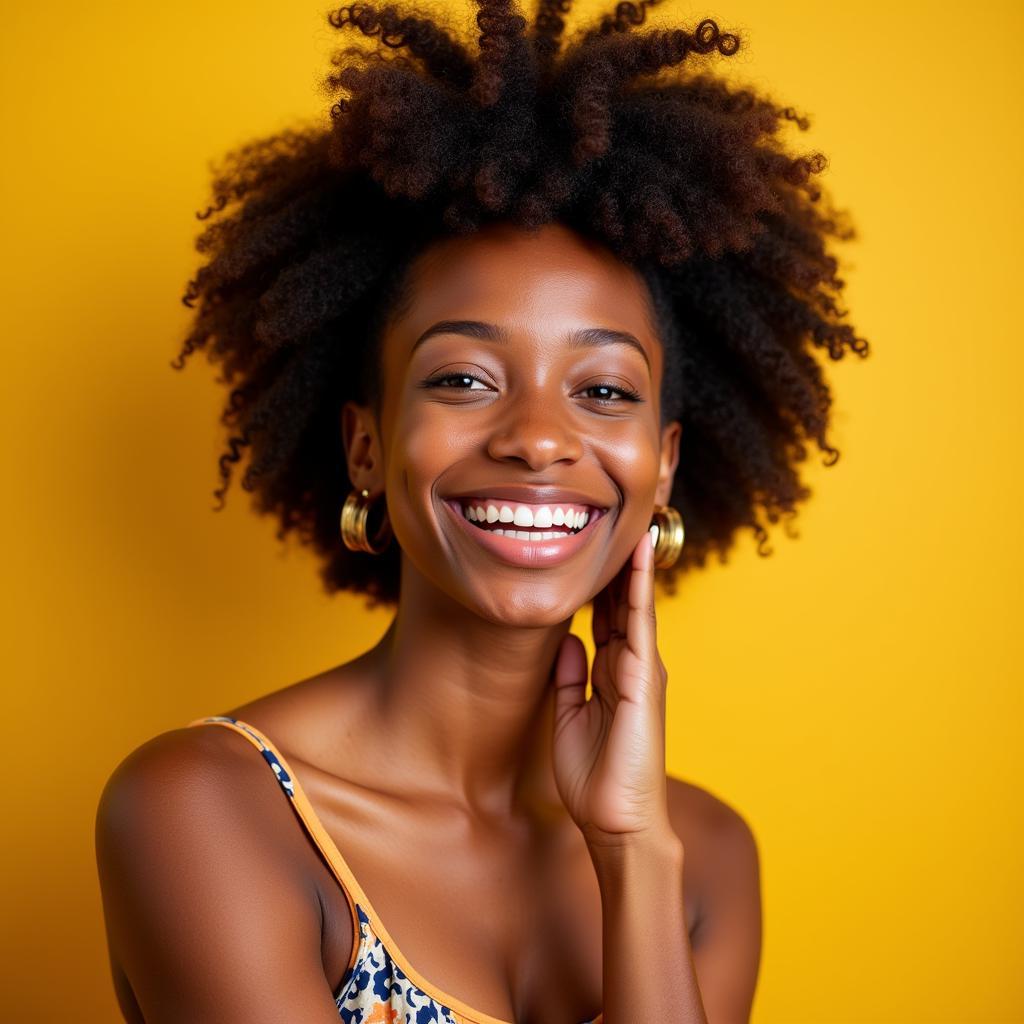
[
  {"x": 426, "y": 441},
  {"x": 424, "y": 445},
  {"x": 631, "y": 459}
]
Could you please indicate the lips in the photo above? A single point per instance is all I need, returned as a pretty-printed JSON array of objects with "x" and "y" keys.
[
  {"x": 530, "y": 552},
  {"x": 533, "y": 494}
]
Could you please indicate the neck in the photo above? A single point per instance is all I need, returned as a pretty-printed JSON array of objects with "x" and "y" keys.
[{"x": 468, "y": 702}]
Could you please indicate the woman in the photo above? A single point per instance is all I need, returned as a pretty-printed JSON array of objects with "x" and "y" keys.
[{"x": 506, "y": 319}]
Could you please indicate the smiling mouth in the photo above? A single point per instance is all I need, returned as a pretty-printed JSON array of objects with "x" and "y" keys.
[
  {"x": 554, "y": 522},
  {"x": 550, "y": 541}
]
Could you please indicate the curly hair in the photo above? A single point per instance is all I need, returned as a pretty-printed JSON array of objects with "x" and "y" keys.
[{"x": 685, "y": 177}]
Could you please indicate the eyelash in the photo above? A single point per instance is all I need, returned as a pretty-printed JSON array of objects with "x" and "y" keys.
[{"x": 629, "y": 394}]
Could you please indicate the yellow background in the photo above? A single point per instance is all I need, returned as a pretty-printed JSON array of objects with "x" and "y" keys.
[{"x": 857, "y": 695}]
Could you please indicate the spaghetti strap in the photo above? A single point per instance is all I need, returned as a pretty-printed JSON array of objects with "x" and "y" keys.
[
  {"x": 307, "y": 815},
  {"x": 373, "y": 949}
]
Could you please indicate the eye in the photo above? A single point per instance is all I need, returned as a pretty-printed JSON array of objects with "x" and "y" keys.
[
  {"x": 464, "y": 379},
  {"x": 440, "y": 381},
  {"x": 629, "y": 395}
]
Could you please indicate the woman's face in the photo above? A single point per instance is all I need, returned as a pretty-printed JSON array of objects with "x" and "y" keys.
[{"x": 506, "y": 384}]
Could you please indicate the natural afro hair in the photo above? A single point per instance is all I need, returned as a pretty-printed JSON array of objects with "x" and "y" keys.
[{"x": 621, "y": 134}]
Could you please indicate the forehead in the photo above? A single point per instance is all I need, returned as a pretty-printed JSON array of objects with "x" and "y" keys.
[{"x": 534, "y": 282}]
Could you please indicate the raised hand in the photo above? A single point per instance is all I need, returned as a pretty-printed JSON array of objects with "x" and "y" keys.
[{"x": 609, "y": 752}]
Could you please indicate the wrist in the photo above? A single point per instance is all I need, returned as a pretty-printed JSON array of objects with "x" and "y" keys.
[{"x": 615, "y": 851}]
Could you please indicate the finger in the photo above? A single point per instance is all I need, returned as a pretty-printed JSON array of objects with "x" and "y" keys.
[
  {"x": 569, "y": 676},
  {"x": 613, "y": 598},
  {"x": 607, "y": 616},
  {"x": 641, "y": 627},
  {"x": 601, "y": 624},
  {"x": 624, "y": 583}
]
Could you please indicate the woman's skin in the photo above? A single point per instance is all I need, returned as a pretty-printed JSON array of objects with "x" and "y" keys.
[{"x": 526, "y": 850}]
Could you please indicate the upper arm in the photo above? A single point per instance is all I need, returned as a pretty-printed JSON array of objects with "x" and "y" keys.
[
  {"x": 727, "y": 941},
  {"x": 203, "y": 912}
]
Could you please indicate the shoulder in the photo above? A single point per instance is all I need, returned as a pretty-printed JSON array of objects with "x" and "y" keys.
[
  {"x": 193, "y": 861},
  {"x": 173, "y": 772},
  {"x": 205, "y": 780},
  {"x": 704, "y": 819},
  {"x": 158, "y": 756},
  {"x": 721, "y": 858},
  {"x": 721, "y": 848},
  {"x": 191, "y": 802},
  {"x": 186, "y": 772}
]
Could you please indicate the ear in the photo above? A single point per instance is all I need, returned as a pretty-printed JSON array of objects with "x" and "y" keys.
[
  {"x": 361, "y": 441},
  {"x": 669, "y": 460}
]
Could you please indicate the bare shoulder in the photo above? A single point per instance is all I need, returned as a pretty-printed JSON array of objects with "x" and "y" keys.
[
  {"x": 702, "y": 819},
  {"x": 198, "y": 776},
  {"x": 192, "y": 867},
  {"x": 719, "y": 843},
  {"x": 204, "y": 783},
  {"x": 185, "y": 759}
]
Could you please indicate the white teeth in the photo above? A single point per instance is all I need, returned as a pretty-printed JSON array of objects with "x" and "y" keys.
[
  {"x": 541, "y": 518},
  {"x": 524, "y": 516},
  {"x": 523, "y": 535}
]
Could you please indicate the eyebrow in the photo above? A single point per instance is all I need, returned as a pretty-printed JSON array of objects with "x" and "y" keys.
[{"x": 580, "y": 338}]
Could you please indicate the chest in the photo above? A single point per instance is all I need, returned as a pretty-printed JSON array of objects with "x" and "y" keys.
[
  {"x": 509, "y": 924},
  {"x": 503, "y": 916}
]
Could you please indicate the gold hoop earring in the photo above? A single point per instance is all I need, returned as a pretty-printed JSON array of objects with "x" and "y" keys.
[
  {"x": 668, "y": 536},
  {"x": 354, "y": 514}
]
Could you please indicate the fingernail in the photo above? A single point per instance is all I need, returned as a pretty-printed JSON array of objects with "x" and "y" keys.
[{"x": 653, "y": 531}]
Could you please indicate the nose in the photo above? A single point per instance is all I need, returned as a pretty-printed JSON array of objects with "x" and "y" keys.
[{"x": 537, "y": 430}]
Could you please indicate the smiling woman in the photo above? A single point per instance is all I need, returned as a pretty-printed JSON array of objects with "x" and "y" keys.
[
  {"x": 508, "y": 315},
  {"x": 315, "y": 231}
]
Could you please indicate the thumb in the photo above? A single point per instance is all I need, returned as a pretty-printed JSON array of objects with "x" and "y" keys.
[{"x": 569, "y": 676}]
